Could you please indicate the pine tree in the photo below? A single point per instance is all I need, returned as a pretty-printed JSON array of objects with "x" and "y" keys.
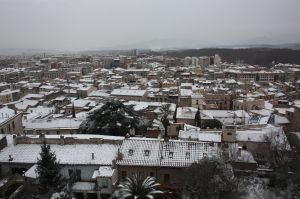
[
  {"x": 198, "y": 118},
  {"x": 47, "y": 168}
]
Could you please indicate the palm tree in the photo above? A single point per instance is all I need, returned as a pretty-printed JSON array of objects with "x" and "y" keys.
[
  {"x": 165, "y": 111},
  {"x": 138, "y": 187}
]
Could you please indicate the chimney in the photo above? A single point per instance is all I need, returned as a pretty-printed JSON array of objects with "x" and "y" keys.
[
  {"x": 114, "y": 164},
  {"x": 166, "y": 139},
  {"x": 62, "y": 140},
  {"x": 239, "y": 152},
  {"x": 119, "y": 155},
  {"x": 93, "y": 156},
  {"x": 14, "y": 140},
  {"x": 10, "y": 158}
]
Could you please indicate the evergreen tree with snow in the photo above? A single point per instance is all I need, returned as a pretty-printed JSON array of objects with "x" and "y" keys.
[
  {"x": 47, "y": 169},
  {"x": 113, "y": 118}
]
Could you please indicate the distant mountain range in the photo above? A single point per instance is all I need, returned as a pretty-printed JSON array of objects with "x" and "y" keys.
[
  {"x": 151, "y": 45},
  {"x": 289, "y": 46},
  {"x": 256, "y": 56}
]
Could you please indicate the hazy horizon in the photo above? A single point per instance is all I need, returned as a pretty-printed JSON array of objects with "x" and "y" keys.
[{"x": 155, "y": 24}]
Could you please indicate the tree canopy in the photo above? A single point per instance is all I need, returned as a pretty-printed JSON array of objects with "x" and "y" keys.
[{"x": 113, "y": 118}]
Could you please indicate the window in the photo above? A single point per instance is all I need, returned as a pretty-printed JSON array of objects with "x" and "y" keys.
[
  {"x": 2, "y": 131},
  {"x": 13, "y": 125},
  {"x": 78, "y": 174},
  {"x": 130, "y": 152},
  {"x": 20, "y": 171},
  {"x": 152, "y": 174},
  {"x": 75, "y": 173},
  {"x": 147, "y": 152},
  {"x": 141, "y": 173},
  {"x": 70, "y": 172},
  {"x": 187, "y": 155},
  {"x": 205, "y": 147},
  {"x": 104, "y": 183},
  {"x": 124, "y": 174},
  {"x": 166, "y": 178},
  {"x": 170, "y": 154},
  {"x": 229, "y": 133}
]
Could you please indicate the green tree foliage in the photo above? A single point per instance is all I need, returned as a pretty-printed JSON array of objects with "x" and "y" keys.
[
  {"x": 211, "y": 123},
  {"x": 113, "y": 118},
  {"x": 210, "y": 179},
  {"x": 138, "y": 187},
  {"x": 47, "y": 169}
]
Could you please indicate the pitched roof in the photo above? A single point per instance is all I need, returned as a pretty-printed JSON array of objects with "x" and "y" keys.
[
  {"x": 134, "y": 152},
  {"x": 6, "y": 114},
  {"x": 156, "y": 152},
  {"x": 80, "y": 154}
]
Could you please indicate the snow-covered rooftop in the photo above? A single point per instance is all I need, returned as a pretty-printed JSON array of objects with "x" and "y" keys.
[
  {"x": 80, "y": 154},
  {"x": 24, "y": 104},
  {"x": 202, "y": 136},
  {"x": 103, "y": 171},
  {"x": 6, "y": 113},
  {"x": 54, "y": 123},
  {"x": 173, "y": 153},
  {"x": 128, "y": 92},
  {"x": 31, "y": 173}
]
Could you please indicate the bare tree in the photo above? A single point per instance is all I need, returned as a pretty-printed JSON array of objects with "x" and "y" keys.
[
  {"x": 209, "y": 178},
  {"x": 281, "y": 157}
]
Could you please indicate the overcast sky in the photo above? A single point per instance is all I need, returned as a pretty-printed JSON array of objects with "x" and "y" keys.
[{"x": 97, "y": 24}]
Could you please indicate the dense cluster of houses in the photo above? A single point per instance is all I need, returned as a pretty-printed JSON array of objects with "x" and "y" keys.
[{"x": 48, "y": 99}]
